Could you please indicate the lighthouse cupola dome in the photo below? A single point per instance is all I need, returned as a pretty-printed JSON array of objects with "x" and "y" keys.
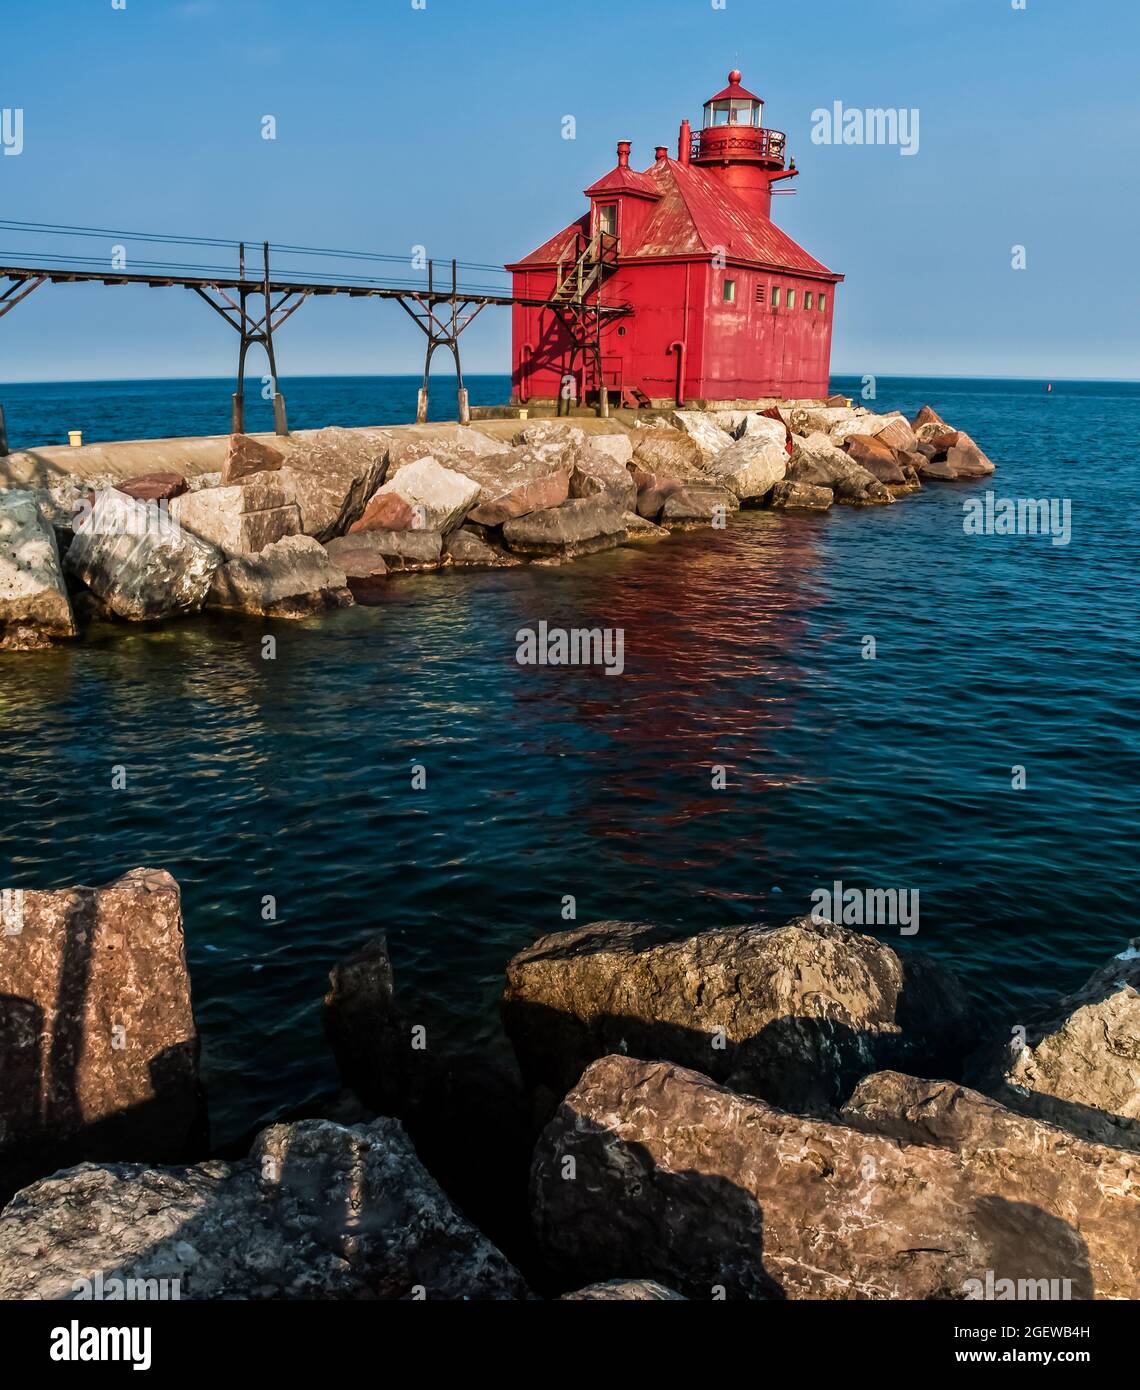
[{"x": 734, "y": 106}]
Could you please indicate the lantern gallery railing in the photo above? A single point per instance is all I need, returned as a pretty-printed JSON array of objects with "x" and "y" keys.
[{"x": 738, "y": 142}]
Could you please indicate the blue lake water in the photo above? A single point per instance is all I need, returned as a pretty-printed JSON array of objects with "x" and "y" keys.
[{"x": 743, "y": 648}]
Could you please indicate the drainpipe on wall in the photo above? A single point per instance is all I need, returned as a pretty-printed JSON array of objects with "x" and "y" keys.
[
  {"x": 679, "y": 348},
  {"x": 524, "y": 372}
]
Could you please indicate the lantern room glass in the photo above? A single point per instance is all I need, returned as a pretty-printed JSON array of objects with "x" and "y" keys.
[{"x": 733, "y": 111}]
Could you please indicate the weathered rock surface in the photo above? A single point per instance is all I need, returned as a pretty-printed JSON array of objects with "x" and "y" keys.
[
  {"x": 878, "y": 458},
  {"x": 453, "y": 446},
  {"x": 154, "y": 487},
  {"x": 967, "y": 460},
  {"x": 387, "y": 511},
  {"x": 595, "y": 473},
  {"x": 669, "y": 452},
  {"x": 624, "y": 1291},
  {"x": 618, "y": 447},
  {"x": 637, "y": 528},
  {"x": 33, "y": 594},
  {"x": 364, "y": 568},
  {"x": 400, "y": 550},
  {"x": 796, "y": 1014},
  {"x": 817, "y": 461},
  {"x": 136, "y": 558},
  {"x": 750, "y": 467},
  {"x": 704, "y": 1189},
  {"x": 248, "y": 456},
  {"x": 581, "y": 526},
  {"x": 98, "y": 1048},
  {"x": 517, "y": 483},
  {"x": 293, "y": 578},
  {"x": 438, "y": 497},
  {"x": 334, "y": 472},
  {"x": 897, "y": 432},
  {"x": 317, "y": 1211},
  {"x": 1018, "y": 1162},
  {"x": 705, "y": 431},
  {"x": 466, "y": 548},
  {"x": 789, "y": 496},
  {"x": 244, "y": 518},
  {"x": 1079, "y": 1067},
  {"x": 694, "y": 505}
]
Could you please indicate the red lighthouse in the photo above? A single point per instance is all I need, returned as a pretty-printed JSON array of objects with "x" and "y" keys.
[{"x": 675, "y": 286}]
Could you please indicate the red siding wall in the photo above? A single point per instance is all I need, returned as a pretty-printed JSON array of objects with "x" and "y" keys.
[{"x": 739, "y": 350}]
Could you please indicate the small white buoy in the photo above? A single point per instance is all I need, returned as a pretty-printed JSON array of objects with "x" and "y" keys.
[{"x": 75, "y": 438}]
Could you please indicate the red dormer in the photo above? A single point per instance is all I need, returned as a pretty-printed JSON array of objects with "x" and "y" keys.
[{"x": 621, "y": 200}]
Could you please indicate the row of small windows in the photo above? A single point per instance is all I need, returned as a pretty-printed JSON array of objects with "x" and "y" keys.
[{"x": 811, "y": 300}]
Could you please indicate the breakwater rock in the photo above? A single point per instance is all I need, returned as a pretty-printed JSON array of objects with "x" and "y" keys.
[
  {"x": 157, "y": 545},
  {"x": 98, "y": 1045},
  {"x": 317, "y": 1211},
  {"x": 651, "y": 1167},
  {"x": 796, "y": 1014}
]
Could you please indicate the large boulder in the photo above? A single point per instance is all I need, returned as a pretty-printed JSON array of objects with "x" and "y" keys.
[
  {"x": 334, "y": 472},
  {"x": 98, "y": 1048},
  {"x": 554, "y": 440},
  {"x": 796, "y": 1014},
  {"x": 817, "y": 461},
  {"x": 293, "y": 578},
  {"x": 790, "y": 496},
  {"x": 705, "y": 431},
  {"x": 653, "y": 1169},
  {"x": 596, "y": 473},
  {"x": 439, "y": 497},
  {"x": 244, "y": 518},
  {"x": 967, "y": 460},
  {"x": 467, "y": 549},
  {"x": 897, "y": 432},
  {"x": 516, "y": 483},
  {"x": 387, "y": 511},
  {"x": 1076, "y": 1062},
  {"x": 578, "y": 527},
  {"x": 33, "y": 593},
  {"x": 618, "y": 447},
  {"x": 154, "y": 487},
  {"x": 454, "y": 446},
  {"x": 317, "y": 1211},
  {"x": 363, "y": 566},
  {"x": 399, "y": 550},
  {"x": 139, "y": 561},
  {"x": 750, "y": 467},
  {"x": 669, "y": 452},
  {"x": 694, "y": 505},
  {"x": 1015, "y": 1162},
  {"x": 248, "y": 456},
  {"x": 807, "y": 420},
  {"x": 877, "y": 457}
]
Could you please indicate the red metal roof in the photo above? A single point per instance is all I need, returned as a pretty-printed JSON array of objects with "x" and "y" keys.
[
  {"x": 696, "y": 215},
  {"x": 734, "y": 89},
  {"x": 624, "y": 180}
]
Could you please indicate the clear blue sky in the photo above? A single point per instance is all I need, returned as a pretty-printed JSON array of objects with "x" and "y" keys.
[{"x": 442, "y": 126}]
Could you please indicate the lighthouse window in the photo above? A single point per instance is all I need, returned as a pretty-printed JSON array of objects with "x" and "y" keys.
[
  {"x": 759, "y": 294},
  {"x": 809, "y": 299},
  {"x": 791, "y": 299},
  {"x": 607, "y": 218},
  {"x": 730, "y": 291},
  {"x": 822, "y": 303},
  {"x": 775, "y": 296}
]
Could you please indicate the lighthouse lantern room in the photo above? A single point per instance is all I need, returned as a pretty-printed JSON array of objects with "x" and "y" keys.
[{"x": 675, "y": 286}]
